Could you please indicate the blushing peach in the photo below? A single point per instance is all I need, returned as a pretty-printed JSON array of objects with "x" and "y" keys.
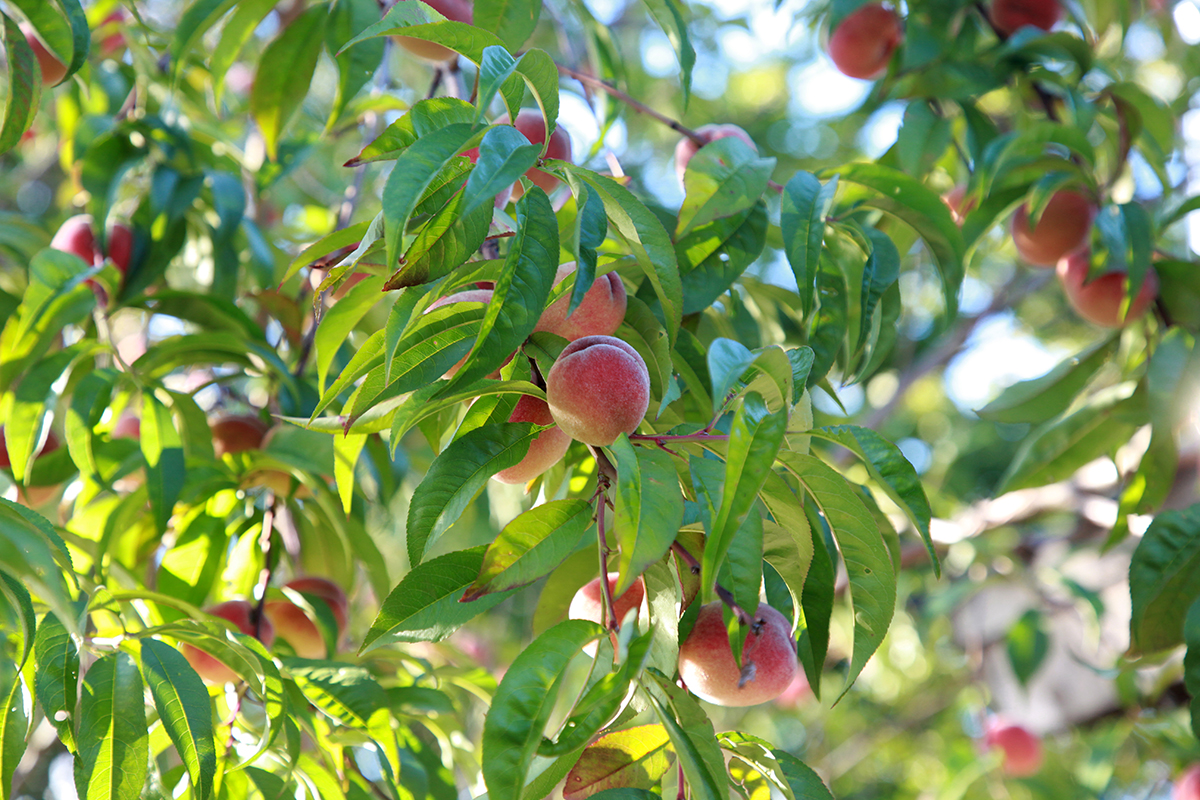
[
  {"x": 588, "y": 603},
  {"x": 533, "y": 127},
  {"x": 241, "y": 614},
  {"x": 1062, "y": 228},
  {"x": 546, "y": 450},
  {"x": 769, "y": 662},
  {"x": 75, "y": 236},
  {"x": 687, "y": 147},
  {"x": 862, "y": 44},
  {"x": 598, "y": 389},
  {"x": 1099, "y": 301},
  {"x": 1022, "y": 749},
  {"x": 53, "y": 70},
  {"x": 599, "y": 314},
  {"x": 294, "y": 627},
  {"x": 1009, "y": 16},
  {"x": 120, "y": 246},
  {"x": 326, "y": 590},
  {"x": 456, "y": 10},
  {"x": 1187, "y": 785},
  {"x": 237, "y": 433}
]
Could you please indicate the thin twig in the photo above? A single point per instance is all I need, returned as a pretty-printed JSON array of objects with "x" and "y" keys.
[
  {"x": 268, "y": 528},
  {"x": 636, "y": 105},
  {"x": 608, "y": 614}
]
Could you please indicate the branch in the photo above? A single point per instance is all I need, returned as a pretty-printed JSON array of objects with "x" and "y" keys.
[{"x": 636, "y": 105}]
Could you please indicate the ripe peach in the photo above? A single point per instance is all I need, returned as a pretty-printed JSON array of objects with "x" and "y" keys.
[
  {"x": 600, "y": 313},
  {"x": 237, "y": 433},
  {"x": 1022, "y": 749},
  {"x": 1009, "y": 16},
  {"x": 1187, "y": 785},
  {"x": 1063, "y": 227},
  {"x": 241, "y": 614},
  {"x": 457, "y": 10},
  {"x": 710, "y": 133},
  {"x": 769, "y": 662},
  {"x": 327, "y": 590},
  {"x": 1099, "y": 301},
  {"x": 128, "y": 427},
  {"x": 588, "y": 603},
  {"x": 530, "y": 123},
  {"x": 862, "y": 44},
  {"x": 954, "y": 201},
  {"x": 75, "y": 236},
  {"x": 120, "y": 246},
  {"x": 598, "y": 389},
  {"x": 546, "y": 450},
  {"x": 294, "y": 627},
  {"x": 53, "y": 70}
]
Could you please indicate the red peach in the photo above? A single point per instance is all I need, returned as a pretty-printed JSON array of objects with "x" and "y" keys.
[
  {"x": 533, "y": 127},
  {"x": 1009, "y": 16},
  {"x": 326, "y": 590},
  {"x": 600, "y": 313},
  {"x": 769, "y": 662},
  {"x": 53, "y": 70},
  {"x": 546, "y": 450},
  {"x": 112, "y": 28},
  {"x": 687, "y": 147},
  {"x": 237, "y": 433},
  {"x": 1187, "y": 785},
  {"x": 75, "y": 236},
  {"x": 294, "y": 627},
  {"x": 1099, "y": 301},
  {"x": 862, "y": 44},
  {"x": 598, "y": 388},
  {"x": 1022, "y": 749},
  {"x": 456, "y": 10},
  {"x": 588, "y": 603},
  {"x": 241, "y": 614},
  {"x": 1062, "y": 228}
]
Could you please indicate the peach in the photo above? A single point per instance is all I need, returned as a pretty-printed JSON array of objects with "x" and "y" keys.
[
  {"x": 128, "y": 427},
  {"x": 237, "y": 433},
  {"x": 533, "y": 127},
  {"x": 1063, "y": 227},
  {"x": 598, "y": 389},
  {"x": 75, "y": 236},
  {"x": 112, "y": 32},
  {"x": 326, "y": 590},
  {"x": 769, "y": 662},
  {"x": 52, "y": 444},
  {"x": 1099, "y": 301},
  {"x": 710, "y": 133},
  {"x": 1187, "y": 785},
  {"x": 1022, "y": 749},
  {"x": 954, "y": 201},
  {"x": 1009, "y": 16},
  {"x": 53, "y": 70},
  {"x": 456, "y": 10},
  {"x": 294, "y": 627},
  {"x": 862, "y": 44},
  {"x": 796, "y": 693},
  {"x": 546, "y": 450},
  {"x": 599, "y": 314},
  {"x": 588, "y": 603},
  {"x": 241, "y": 614}
]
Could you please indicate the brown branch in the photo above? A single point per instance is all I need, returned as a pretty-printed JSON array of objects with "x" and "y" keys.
[
  {"x": 636, "y": 105},
  {"x": 268, "y": 528}
]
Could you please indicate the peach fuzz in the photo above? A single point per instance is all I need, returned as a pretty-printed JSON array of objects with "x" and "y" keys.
[
  {"x": 707, "y": 667},
  {"x": 598, "y": 389},
  {"x": 545, "y": 451},
  {"x": 1022, "y": 749},
  {"x": 1187, "y": 785},
  {"x": 237, "y": 433},
  {"x": 1063, "y": 227},
  {"x": 1009, "y": 16},
  {"x": 599, "y": 314},
  {"x": 1099, "y": 301},
  {"x": 241, "y": 614},
  {"x": 687, "y": 147},
  {"x": 53, "y": 70},
  {"x": 588, "y": 603},
  {"x": 455, "y": 10},
  {"x": 533, "y": 127},
  {"x": 862, "y": 44}
]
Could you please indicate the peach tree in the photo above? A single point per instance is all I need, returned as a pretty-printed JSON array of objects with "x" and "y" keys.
[{"x": 386, "y": 414}]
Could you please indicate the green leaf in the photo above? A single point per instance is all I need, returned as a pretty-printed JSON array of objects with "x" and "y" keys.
[
  {"x": 894, "y": 473},
  {"x": 284, "y": 75},
  {"x": 647, "y": 239},
  {"x": 17, "y": 598},
  {"x": 1191, "y": 662},
  {"x": 713, "y": 256},
  {"x": 741, "y": 572},
  {"x": 530, "y": 546},
  {"x": 802, "y": 221},
  {"x": 458, "y": 474},
  {"x": 635, "y": 758},
  {"x": 425, "y": 607},
  {"x": 14, "y": 723},
  {"x": 25, "y": 410},
  {"x": 200, "y": 16},
  {"x": 832, "y": 321},
  {"x": 1043, "y": 398},
  {"x": 425, "y": 117},
  {"x": 649, "y": 509},
  {"x": 24, "y": 86},
  {"x": 348, "y": 693},
  {"x": 57, "y": 677},
  {"x": 522, "y": 705},
  {"x": 511, "y": 20},
  {"x": 235, "y": 33},
  {"x": 183, "y": 707},
  {"x": 1027, "y": 645},
  {"x": 728, "y": 360},
  {"x": 880, "y": 274},
  {"x": 669, "y": 16},
  {"x": 504, "y": 156},
  {"x": 336, "y": 324},
  {"x": 162, "y": 449},
  {"x": 754, "y": 440},
  {"x": 114, "y": 746},
  {"x": 800, "y": 777},
  {"x": 724, "y": 178},
  {"x": 693, "y": 739},
  {"x": 602, "y": 701},
  {"x": 1164, "y": 577},
  {"x": 591, "y": 228},
  {"x": 355, "y": 64},
  {"x": 33, "y": 554},
  {"x": 913, "y": 203},
  {"x": 444, "y": 243},
  {"x": 867, "y": 560}
]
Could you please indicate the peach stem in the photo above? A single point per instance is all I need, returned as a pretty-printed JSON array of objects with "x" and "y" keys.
[{"x": 723, "y": 593}]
